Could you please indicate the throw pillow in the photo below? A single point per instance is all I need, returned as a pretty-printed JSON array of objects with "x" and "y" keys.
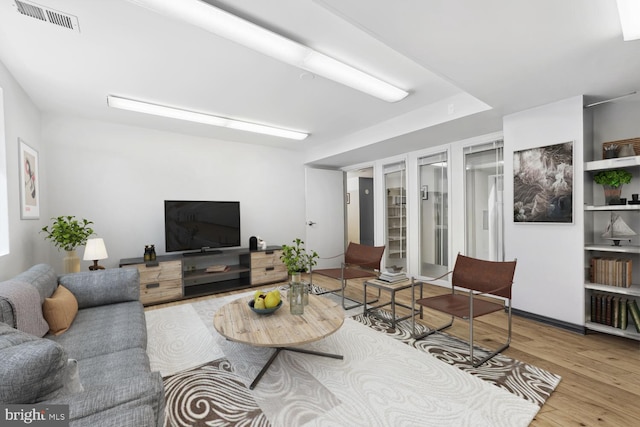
[
  {"x": 60, "y": 310},
  {"x": 31, "y": 367},
  {"x": 70, "y": 382}
]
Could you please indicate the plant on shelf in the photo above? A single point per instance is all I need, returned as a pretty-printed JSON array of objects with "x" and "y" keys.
[
  {"x": 612, "y": 181},
  {"x": 613, "y": 178},
  {"x": 297, "y": 259},
  {"x": 67, "y": 232}
]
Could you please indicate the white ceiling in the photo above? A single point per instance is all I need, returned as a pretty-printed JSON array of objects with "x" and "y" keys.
[{"x": 466, "y": 63}]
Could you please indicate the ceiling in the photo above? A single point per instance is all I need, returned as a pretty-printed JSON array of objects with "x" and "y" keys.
[{"x": 466, "y": 64}]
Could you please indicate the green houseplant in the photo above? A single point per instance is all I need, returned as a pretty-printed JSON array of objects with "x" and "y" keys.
[
  {"x": 67, "y": 232},
  {"x": 296, "y": 258},
  {"x": 298, "y": 261},
  {"x": 613, "y": 178},
  {"x": 612, "y": 181}
]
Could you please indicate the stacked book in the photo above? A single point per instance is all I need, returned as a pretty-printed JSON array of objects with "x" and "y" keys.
[
  {"x": 615, "y": 311},
  {"x": 611, "y": 271},
  {"x": 390, "y": 277},
  {"x": 217, "y": 269}
]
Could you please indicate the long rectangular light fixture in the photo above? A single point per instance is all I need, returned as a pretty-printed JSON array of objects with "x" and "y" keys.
[
  {"x": 207, "y": 119},
  {"x": 231, "y": 27},
  {"x": 629, "y": 11}
]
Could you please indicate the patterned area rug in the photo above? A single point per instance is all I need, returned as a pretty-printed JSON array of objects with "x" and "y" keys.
[{"x": 386, "y": 378}]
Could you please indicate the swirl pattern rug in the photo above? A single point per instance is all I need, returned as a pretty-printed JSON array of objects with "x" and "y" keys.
[{"x": 385, "y": 379}]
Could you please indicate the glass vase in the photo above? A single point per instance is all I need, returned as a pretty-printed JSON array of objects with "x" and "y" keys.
[
  {"x": 612, "y": 194},
  {"x": 296, "y": 298}
]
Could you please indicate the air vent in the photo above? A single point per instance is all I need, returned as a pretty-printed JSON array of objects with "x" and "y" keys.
[{"x": 46, "y": 14}]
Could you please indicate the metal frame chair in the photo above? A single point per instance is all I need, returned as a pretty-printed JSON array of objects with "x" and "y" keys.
[
  {"x": 477, "y": 278},
  {"x": 360, "y": 261}
]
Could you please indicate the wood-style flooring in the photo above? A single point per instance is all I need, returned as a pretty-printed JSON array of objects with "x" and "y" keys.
[{"x": 600, "y": 373}]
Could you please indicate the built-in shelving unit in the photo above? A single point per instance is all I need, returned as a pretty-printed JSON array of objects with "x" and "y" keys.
[
  {"x": 605, "y": 303},
  {"x": 396, "y": 223}
]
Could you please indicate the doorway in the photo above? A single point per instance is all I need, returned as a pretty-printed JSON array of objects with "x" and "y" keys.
[{"x": 359, "y": 206}]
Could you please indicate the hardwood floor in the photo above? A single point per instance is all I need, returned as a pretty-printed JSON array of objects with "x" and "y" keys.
[{"x": 600, "y": 373}]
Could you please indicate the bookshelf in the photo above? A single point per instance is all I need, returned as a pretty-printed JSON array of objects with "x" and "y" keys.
[
  {"x": 612, "y": 272},
  {"x": 396, "y": 223}
]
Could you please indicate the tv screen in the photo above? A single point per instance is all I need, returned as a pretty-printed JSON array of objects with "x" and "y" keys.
[{"x": 199, "y": 225}]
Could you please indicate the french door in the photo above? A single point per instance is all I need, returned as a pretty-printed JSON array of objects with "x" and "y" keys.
[{"x": 484, "y": 204}]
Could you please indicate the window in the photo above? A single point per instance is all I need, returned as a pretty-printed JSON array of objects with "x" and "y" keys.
[
  {"x": 484, "y": 216},
  {"x": 434, "y": 214},
  {"x": 4, "y": 208}
]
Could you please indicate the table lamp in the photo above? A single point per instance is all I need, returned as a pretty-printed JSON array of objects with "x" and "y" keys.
[{"x": 95, "y": 250}]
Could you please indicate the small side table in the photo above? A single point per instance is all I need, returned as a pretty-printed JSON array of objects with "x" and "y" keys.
[{"x": 392, "y": 288}]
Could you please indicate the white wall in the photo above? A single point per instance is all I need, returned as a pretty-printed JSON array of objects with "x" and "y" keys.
[
  {"x": 119, "y": 176},
  {"x": 21, "y": 120},
  {"x": 549, "y": 277}
]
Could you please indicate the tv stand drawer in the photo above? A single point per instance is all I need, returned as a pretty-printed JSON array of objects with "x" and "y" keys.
[
  {"x": 161, "y": 281},
  {"x": 267, "y": 267}
]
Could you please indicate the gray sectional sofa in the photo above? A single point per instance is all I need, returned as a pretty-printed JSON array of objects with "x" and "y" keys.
[{"x": 98, "y": 366}]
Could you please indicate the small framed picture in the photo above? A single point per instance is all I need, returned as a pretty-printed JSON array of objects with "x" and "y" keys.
[{"x": 29, "y": 182}]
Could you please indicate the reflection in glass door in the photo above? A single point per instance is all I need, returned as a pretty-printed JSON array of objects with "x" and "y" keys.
[
  {"x": 396, "y": 215},
  {"x": 360, "y": 221},
  {"x": 434, "y": 215},
  {"x": 484, "y": 219}
]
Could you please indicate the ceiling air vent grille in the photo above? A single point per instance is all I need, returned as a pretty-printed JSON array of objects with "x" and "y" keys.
[{"x": 45, "y": 14}]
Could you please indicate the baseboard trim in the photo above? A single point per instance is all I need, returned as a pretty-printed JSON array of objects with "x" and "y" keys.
[{"x": 580, "y": 329}]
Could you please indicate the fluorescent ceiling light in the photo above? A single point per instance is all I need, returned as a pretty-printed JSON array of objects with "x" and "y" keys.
[
  {"x": 208, "y": 119},
  {"x": 229, "y": 26},
  {"x": 629, "y": 11}
]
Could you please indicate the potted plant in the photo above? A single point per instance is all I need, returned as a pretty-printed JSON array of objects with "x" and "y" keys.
[
  {"x": 612, "y": 181},
  {"x": 297, "y": 259},
  {"x": 68, "y": 233}
]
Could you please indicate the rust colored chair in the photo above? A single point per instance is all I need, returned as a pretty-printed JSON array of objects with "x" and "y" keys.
[
  {"x": 360, "y": 261},
  {"x": 473, "y": 278}
]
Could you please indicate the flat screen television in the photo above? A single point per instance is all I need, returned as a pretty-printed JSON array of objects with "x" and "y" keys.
[{"x": 201, "y": 225}]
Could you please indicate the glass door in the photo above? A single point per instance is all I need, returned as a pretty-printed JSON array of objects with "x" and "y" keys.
[
  {"x": 484, "y": 207},
  {"x": 434, "y": 214},
  {"x": 396, "y": 215}
]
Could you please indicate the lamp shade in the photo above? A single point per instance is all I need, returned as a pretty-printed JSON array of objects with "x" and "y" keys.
[{"x": 95, "y": 250}]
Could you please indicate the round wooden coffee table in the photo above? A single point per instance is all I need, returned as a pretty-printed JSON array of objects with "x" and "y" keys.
[{"x": 280, "y": 330}]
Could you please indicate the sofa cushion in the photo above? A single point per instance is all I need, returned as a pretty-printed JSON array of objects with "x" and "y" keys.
[
  {"x": 113, "y": 368},
  {"x": 104, "y": 329},
  {"x": 142, "y": 390},
  {"x": 42, "y": 277},
  {"x": 120, "y": 416},
  {"x": 32, "y": 368},
  {"x": 110, "y": 286},
  {"x": 59, "y": 310}
]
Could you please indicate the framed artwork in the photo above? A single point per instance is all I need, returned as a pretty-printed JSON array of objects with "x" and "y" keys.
[
  {"x": 29, "y": 180},
  {"x": 543, "y": 184}
]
